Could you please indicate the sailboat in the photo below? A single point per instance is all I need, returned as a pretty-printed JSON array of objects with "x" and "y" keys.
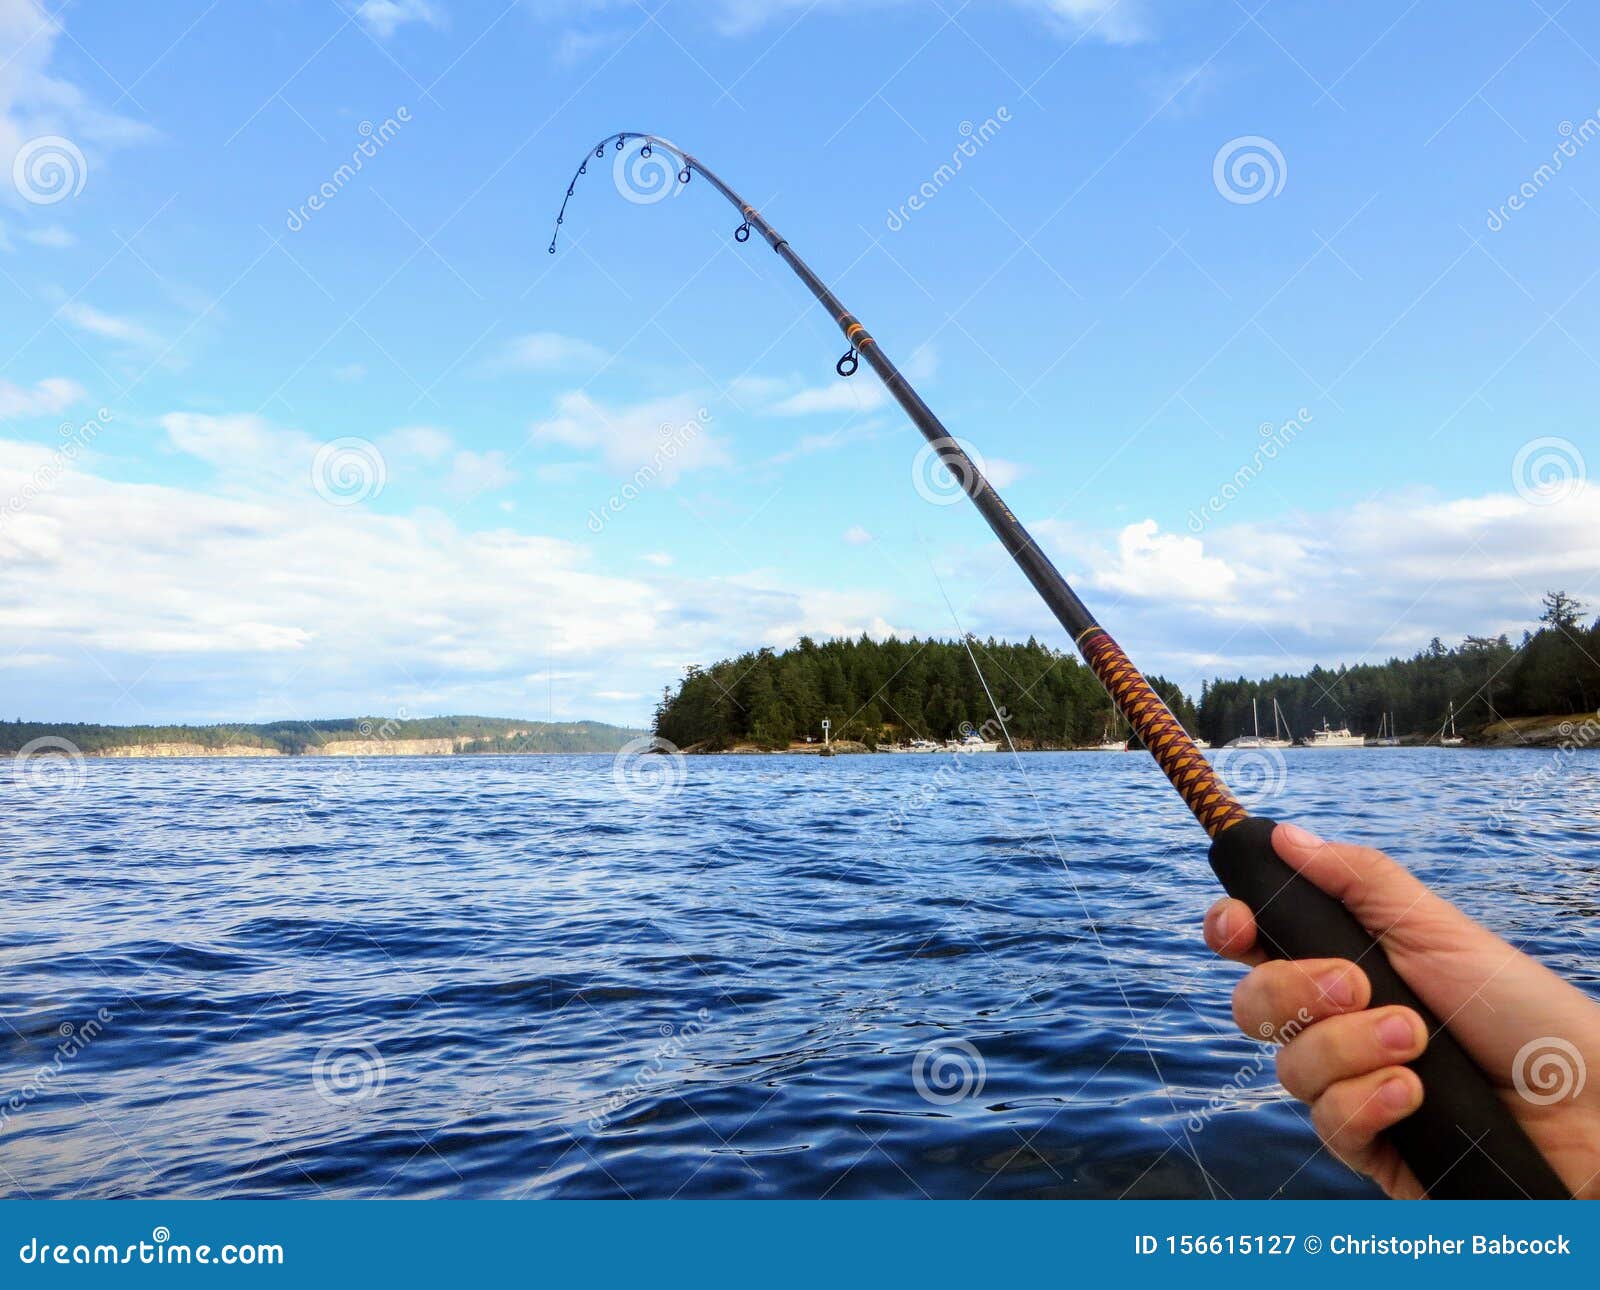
[
  {"x": 1386, "y": 736},
  {"x": 1257, "y": 740},
  {"x": 1107, "y": 743},
  {"x": 1451, "y": 740}
]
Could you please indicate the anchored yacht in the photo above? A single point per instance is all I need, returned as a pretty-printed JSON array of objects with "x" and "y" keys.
[{"x": 1330, "y": 738}]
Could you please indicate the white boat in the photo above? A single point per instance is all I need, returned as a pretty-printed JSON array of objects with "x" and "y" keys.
[
  {"x": 915, "y": 746},
  {"x": 1330, "y": 738},
  {"x": 972, "y": 742},
  {"x": 1386, "y": 737},
  {"x": 1451, "y": 740},
  {"x": 1258, "y": 740},
  {"x": 1106, "y": 744}
]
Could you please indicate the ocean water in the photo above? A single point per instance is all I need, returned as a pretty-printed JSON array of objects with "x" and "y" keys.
[{"x": 759, "y": 977}]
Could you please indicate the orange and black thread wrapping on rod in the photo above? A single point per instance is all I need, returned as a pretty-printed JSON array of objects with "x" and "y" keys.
[{"x": 1169, "y": 743}]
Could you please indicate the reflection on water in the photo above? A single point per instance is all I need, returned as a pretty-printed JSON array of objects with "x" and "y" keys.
[{"x": 787, "y": 977}]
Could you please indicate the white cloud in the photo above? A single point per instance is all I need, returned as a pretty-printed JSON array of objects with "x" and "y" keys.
[
  {"x": 660, "y": 559},
  {"x": 110, "y": 326},
  {"x": 1003, "y": 473},
  {"x": 52, "y": 395},
  {"x": 855, "y": 535},
  {"x": 384, "y": 17},
  {"x": 546, "y": 351},
  {"x": 473, "y": 473},
  {"x": 427, "y": 442},
  {"x": 1155, "y": 566},
  {"x": 1379, "y": 579},
  {"x": 33, "y": 102},
  {"x": 1114, "y": 21},
  {"x": 637, "y": 435},
  {"x": 257, "y": 605},
  {"x": 852, "y": 395},
  {"x": 350, "y": 372},
  {"x": 52, "y": 237}
]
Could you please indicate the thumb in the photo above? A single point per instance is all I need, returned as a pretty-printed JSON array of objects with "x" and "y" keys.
[{"x": 1384, "y": 896}]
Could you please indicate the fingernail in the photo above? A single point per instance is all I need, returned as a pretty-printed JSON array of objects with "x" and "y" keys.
[
  {"x": 1339, "y": 989},
  {"x": 1296, "y": 836},
  {"x": 1396, "y": 1032},
  {"x": 1225, "y": 926},
  {"x": 1395, "y": 1094}
]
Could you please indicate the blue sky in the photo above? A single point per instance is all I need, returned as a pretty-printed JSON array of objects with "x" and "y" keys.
[{"x": 272, "y": 458}]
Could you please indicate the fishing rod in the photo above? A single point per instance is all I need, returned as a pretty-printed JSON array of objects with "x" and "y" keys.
[{"x": 1463, "y": 1142}]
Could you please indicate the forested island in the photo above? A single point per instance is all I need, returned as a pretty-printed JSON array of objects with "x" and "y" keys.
[
  {"x": 883, "y": 692},
  {"x": 342, "y": 736}
]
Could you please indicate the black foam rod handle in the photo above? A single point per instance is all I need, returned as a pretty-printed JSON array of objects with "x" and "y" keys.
[{"x": 1463, "y": 1142}]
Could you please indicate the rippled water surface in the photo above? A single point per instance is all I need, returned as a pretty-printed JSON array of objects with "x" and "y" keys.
[{"x": 862, "y": 976}]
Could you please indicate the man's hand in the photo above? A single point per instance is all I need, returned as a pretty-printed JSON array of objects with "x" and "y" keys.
[{"x": 1348, "y": 1063}]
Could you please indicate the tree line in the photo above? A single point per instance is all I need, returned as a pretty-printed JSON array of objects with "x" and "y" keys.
[
  {"x": 488, "y": 734},
  {"x": 1554, "y": 671},
  {"x": 893, "y": 690}
]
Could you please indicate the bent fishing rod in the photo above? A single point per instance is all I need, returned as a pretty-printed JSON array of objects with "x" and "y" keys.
[{"x": 1462, "y": 1142}]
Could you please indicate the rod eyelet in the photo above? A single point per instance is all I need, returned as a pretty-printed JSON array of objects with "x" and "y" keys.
[
  {"x": 645, "y": 151},
  {"x": 847, "y": 365},
  {"x": 683, "y": 175},
  {"x": 742, "y": 233}
]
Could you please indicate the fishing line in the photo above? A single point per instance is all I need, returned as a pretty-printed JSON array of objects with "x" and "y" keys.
[
  {"x": 1294, "y": 919},
  {"x": 1088, "y": 917}
]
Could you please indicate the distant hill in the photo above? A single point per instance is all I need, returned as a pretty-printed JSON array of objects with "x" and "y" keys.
[{"x": 376, "y": 736}]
